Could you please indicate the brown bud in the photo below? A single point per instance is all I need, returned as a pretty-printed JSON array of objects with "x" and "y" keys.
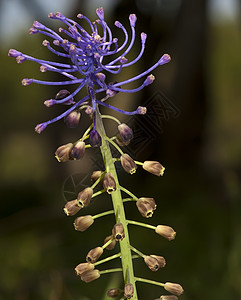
[
  {"x": 120, "y": 142},
  {"x": 168, "y": 297},
  {"x": 128, "y": 291},
  {"x": 113, "y": 293},
  {"x": 84, "y": 197},
  {"x": 63, "y": 152},
  {"x": 71, "y": 207},
  {"x": 173, "y": 288},
  {"x": 109, "y": 183},
  {"x": 83, "y": 222},
  {"x": 166, "y": 231},
  {"x": 146, "y": 206},
  {"x": 78, "y": 150},
  {"x": 128, "y": 163},
  {"x": 96, "y": 175},
  {"x": 118, "y": 232},
  {"x": 154, "y": 167},
  {"x": 83, "y": 267},
  {"x": 90, "y": 275},
  {"x": 111, "y": 246},
  {"x": 154, "y": 262},
  {"x": 94, "y": 254}
]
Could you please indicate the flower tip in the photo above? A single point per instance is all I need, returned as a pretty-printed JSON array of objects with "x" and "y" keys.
[
  {"x": 49, "y": 102},
  {"x": 26, "y": 81},
  {"x": 40, "y": 127},
  {"x": 132, "y": 19},
  {"x": 51, "y": 15},
  {"x": 118, "y": 24},
  {"x": 80, "y": 16},
  {"x": 14, "y": 53},
  {"x": 164, "y": 59},
  {"x": 143, "y": 37},
  {"x": 100, "y": 13},
  {"x": 38, "y": 25},
  {"x": 60, "y": 16},
  {"x": 141, "y": 110},
  {"x": 149, "y": 80}
]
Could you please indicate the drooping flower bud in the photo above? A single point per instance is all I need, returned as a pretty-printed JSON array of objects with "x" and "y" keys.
[
  {"x": 128, "y": 163},
  {"x": 154, "y": 262},
  {"x": 128, "y": 291},
  {"x": 154, "y": 167},
  {"x": 118, "y": 232},
  {"x": 83, "y": 267},
  {"x": 62, "y": 154},
  {"x": 126, "y": 133},
  {"x": 78, "y": 150},
  {"x": 90, "y": 275},
  {"x": 168, "y": 297},
  {"x": 72, "y": 119},
  {"x": 83, "y": 222},
  {"x": 71, "y": 207},
  {"x": 173, "y": 288},
  {"x": 96, "y": 175},
  {"x": 146, "y": 206},
  {"x": 40, "y": 127},
  {"x": 95, "y": 139},
  {"x": 94, "y": 254},
  {"x": 84, "y": 197},
  {"x": 111, "y": 246},
  {"x": 113, "y": 293},
  {"x": 166, "y": 231},
  {"x": 109, "y": 183},
  {"x": 63, "y": 94}
]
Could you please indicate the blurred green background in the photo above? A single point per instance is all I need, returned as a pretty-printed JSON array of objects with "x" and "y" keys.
[{"x": 200, "y": 193}]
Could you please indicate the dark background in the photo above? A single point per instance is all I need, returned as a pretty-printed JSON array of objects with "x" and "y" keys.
[{"x": 193, "y": 128}]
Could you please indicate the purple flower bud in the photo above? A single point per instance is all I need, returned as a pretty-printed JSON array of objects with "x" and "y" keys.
[
  {"x": 78, "y": 150},
  {"x": 141, "y": 110},
  {"x": 52, "y": 15},
  {"x": 125, "y": 132},
  {"x": 20, "y": 59},
  {"x": 40, "y": 127},
  {"x": 100, "y": 76},
  {"x": 123, "y": 60},
  {"x": 43, "y": 69},
  {"x": 14, "y": 53},
  {"x": 38, "y": 25},
  {"x": 118, "y": 24},
  {"x": 26, "y": 81},
  {"x": 164, "y": 59},
  {"x": 149, "y": 79},
  {"x": 132, "y": 19},
  {"x": 72, "y": 119},
  {"x": 58, "y": 15},
  {"x": 33, "y": 30},
  {"x": 49, "y": 102},
  {"x": 45, "y": 43},
  {"x": 95, "y": 138},
  {"x": 100, "y": 13},
  {"x": 143, "y": 37}
]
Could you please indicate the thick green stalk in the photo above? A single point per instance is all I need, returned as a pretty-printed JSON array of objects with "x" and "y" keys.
[{"x": 126, "y": 259}]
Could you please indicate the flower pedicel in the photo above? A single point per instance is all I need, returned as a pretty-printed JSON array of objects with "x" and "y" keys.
[{"x": 87, "y": 57}]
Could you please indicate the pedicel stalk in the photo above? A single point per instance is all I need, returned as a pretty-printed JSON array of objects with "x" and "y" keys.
[{"x": 88, "y": 53}]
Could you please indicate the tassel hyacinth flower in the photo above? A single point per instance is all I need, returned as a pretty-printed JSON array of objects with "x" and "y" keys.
[{"x": 87, "y": 53}]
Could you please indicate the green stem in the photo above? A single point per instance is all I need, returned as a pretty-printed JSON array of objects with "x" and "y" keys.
[
  {"x": 98, "y": 193},
  {"x": 107, "y": 259},
  {"x": 129, "y": 199},
  {"x": 149, "y": 281},
  {"x": 111, "y": 271},
  {"x": 126, "y": 259},
  {"x": 114, "y": 144},
  {"x": 137, "y": 251},
  {"x": 107, "y": 243},
  {"x": 128, "y": 193},
  {"x": 139, "y": 163},
  {"x": 141, "y": 224},
  {"x": 110, "y": 117},
  {"x": 105, "y": 213}
]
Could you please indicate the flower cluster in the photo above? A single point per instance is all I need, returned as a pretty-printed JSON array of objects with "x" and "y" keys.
[
  {"x": 87, "y": 52},
  {"x": 89, "y": 55}
]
